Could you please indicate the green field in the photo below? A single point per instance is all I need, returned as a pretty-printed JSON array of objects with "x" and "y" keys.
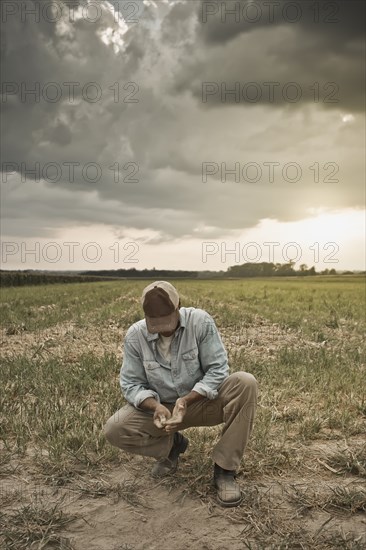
[{"x": 302, "y": 338}]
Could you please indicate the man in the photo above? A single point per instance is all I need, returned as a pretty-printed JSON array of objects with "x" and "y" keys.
[{"x": 174, "y": 376}]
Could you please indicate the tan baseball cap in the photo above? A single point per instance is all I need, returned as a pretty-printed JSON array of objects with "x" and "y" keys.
[{"x": 160, "y": 301}]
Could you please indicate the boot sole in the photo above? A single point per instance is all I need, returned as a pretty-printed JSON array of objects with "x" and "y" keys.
[{"x": 224, "y": 504}]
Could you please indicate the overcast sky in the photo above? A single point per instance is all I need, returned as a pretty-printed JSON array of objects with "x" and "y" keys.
[{"x": 192, "y": 129}]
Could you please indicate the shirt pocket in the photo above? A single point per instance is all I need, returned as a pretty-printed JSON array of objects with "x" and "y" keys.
[
  {"x": 151, "y": 365},
  {"x": 191, "y": 360},
  {"x": 153, "y": 374}
]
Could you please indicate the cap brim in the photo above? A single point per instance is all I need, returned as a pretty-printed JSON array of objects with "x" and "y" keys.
[{"x": 162, "y": 324}]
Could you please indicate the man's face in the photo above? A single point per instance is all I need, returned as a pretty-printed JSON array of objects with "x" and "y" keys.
[{"x": 172, "y": 331}]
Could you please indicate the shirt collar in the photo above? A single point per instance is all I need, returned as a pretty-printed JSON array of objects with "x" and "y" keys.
[{"x": 182, "y": 317}]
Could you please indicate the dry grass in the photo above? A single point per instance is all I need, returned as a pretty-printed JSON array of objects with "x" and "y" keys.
[
  {"x": 34, "y": 526},
  {"x": 303, "y": 340},
  {"x": 351, "y": 461}
]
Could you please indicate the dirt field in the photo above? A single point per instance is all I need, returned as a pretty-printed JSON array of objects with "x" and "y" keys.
[{"x": 303, "y": 475}]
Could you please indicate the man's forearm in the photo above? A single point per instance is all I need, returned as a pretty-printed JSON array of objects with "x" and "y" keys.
[
  {"x": 193, "y": 397},
  {"x": 149, "y": 404}
]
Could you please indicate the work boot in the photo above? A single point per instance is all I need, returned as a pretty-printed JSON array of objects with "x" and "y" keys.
[
  {"x": 228, "y": 490},
  {"x": 166, "y": 466}
]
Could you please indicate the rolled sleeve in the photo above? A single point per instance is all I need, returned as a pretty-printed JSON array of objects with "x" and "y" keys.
[
  {"x": 133, "y": 381},
  {"x": 145, "y": 394},
  {"x": 205, "y": 390}
]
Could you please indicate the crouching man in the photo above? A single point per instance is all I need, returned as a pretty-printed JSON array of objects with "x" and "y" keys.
[{"x": 174, "y": 376}]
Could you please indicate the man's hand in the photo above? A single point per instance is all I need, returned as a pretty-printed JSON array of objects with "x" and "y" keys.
[
  {"x": 179, "y": 412},
  {"x": 161, "y": 416}
]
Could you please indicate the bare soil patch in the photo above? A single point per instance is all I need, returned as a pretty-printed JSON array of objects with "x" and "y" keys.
[{"x": 312, "y": 503}]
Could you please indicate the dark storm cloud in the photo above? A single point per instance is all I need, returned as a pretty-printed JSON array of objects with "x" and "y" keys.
[
  {"x": 337, "y": 22},
  {"x": 271, "y": 54},
  {"x": 169, "y": 133}
]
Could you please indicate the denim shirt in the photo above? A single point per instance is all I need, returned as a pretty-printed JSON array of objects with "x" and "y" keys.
[{"x": 198, "y": 361}]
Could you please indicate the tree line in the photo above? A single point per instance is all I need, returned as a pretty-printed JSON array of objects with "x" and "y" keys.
[{"x": 249, "y": 269}]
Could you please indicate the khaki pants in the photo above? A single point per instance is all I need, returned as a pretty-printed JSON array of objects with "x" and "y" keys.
[{"x": 134, "y": 431}]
